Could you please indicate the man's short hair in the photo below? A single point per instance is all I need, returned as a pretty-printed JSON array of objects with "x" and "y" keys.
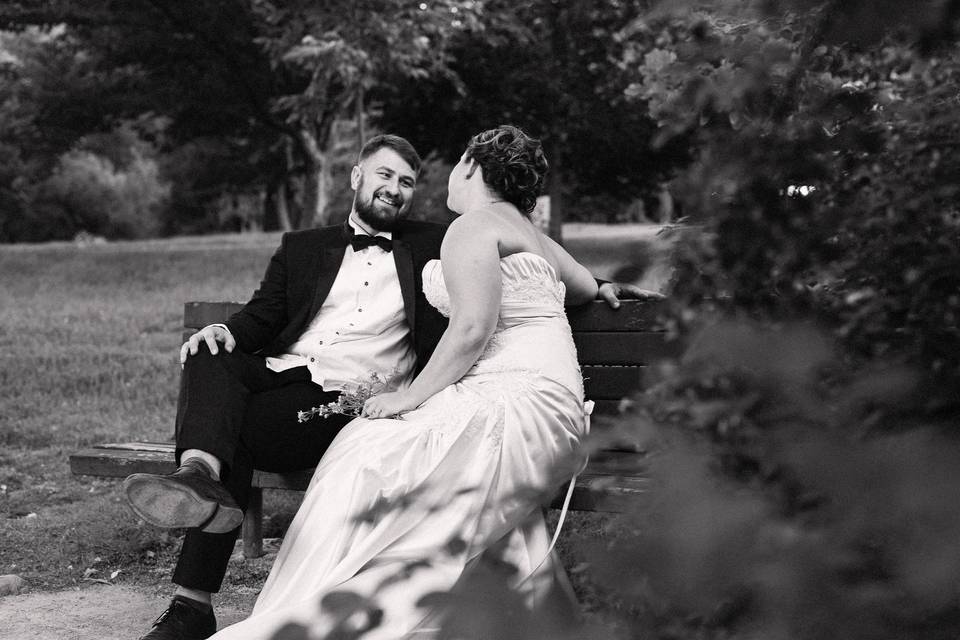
[{"x": 395, "y": 143}]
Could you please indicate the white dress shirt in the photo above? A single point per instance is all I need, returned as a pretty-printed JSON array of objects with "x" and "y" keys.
[{"x": 361, "y": 327}]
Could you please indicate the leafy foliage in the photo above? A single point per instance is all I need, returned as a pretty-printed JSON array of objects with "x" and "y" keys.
[
  {"x": 260, "y": 101},
  {"x": 772, "y": 105},
  {"x": 94, "y": 195},
  {"x": 553, "y": 69},
  {"x": 804, "y": 446}
]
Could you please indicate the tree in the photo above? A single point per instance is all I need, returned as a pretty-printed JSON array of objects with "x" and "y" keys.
[
  {"x": 803, "y": 447},
  {"x": 336, "y": 52},
  {"x": 258, "y": 85},
  {"x": 778, "y": 102},
  {"x": 197, "y": 109},
  {"x": 53, "y": 93},
  {"x": 556, "y": 70}
]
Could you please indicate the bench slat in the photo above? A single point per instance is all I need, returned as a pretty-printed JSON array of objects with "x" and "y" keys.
[
  {"x": 121, "y": 462},
  {"x": 633, "y": 315},
  {"x": 115, "y": 459},
  {"x": 609, "y": 483},
  {"x": 160, "y": 447},
  {"x": 197, "y": 315},
  {"x": 605, "y": 494},
  {"x": 611, "y": 348},
  {"x": 611, "y": 383}
]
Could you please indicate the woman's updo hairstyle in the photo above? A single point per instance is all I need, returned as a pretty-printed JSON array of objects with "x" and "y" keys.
[{"x": 513, "y": 165}]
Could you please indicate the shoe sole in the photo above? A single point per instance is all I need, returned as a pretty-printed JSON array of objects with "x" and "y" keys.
[{"x": 169, "y": 504}]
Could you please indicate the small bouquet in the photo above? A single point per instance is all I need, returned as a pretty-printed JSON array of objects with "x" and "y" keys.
[{"x": 350, "y": 402}]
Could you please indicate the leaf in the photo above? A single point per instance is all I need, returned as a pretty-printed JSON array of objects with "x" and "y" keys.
[{"x": 291, "y": 631}]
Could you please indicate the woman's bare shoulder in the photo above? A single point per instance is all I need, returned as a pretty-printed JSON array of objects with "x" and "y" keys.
[{"x": 472, "y": 228}]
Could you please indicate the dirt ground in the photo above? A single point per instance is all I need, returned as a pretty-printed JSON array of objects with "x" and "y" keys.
[
  {"x": 115, "y": 612},
  {"x": 96, "y": 612}
]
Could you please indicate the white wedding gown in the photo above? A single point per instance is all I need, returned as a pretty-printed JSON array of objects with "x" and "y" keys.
[{"x": 445, "y": 482}]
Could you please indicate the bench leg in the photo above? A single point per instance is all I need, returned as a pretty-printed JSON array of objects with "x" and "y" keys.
[{"x": 253, "y": 525}]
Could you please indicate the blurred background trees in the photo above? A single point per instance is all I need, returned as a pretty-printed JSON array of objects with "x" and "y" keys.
[{"x": 254, "y": 111}]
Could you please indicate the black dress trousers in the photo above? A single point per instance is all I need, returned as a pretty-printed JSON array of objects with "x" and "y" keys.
[{"x": 232, "y": 406}]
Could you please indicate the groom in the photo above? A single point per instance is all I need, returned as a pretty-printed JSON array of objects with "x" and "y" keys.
[{"x": 335, "y": 305}]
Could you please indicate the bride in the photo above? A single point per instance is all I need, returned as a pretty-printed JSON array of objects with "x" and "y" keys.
[{"x": 412, "y": 492}]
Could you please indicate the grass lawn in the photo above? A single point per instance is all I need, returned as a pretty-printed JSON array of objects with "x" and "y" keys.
[{"x": 89, "y": 337}]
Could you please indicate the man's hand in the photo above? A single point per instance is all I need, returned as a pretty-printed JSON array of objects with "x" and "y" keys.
[
  {"x": 612, "y": 292},
  {"x": 387, "y": 405},
  {"x": 211, "y": 334}
]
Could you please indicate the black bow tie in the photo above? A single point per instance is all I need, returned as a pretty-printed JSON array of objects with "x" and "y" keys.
[{"x": 362, "y": 241}]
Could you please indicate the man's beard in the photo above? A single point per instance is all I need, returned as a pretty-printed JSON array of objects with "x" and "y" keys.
[{"x": 374, "y": 215}]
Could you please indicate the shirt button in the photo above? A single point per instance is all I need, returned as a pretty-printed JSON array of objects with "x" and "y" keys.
[
  {"x": 313, "y": 359},
  {"x": 360, "y": 310},
  {"x": 369, "y": 264},
  {"x": 366, "y": 284},
  {"x": 320, "y": 342}
]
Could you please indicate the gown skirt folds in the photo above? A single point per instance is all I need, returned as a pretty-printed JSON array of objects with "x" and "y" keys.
[{"x": 397, "y": 508}]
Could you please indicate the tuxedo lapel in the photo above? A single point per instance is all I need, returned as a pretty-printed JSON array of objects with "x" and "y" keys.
[
  {"x": 327, "y": 269},
  {"x": 403, "y": 259}
]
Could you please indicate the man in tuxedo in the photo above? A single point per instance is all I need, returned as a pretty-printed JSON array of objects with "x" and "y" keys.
[{"x": 336, "y": 304}]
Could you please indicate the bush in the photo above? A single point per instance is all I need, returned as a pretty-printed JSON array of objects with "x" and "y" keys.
[
  {"x": 791, "y": 497},
  {"x": 771, "y": 104},
  {"x": 89, "y": 193},
  {"x": 804, "y": 449}
]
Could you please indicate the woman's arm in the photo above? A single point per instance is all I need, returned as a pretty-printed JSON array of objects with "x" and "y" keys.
[
  {"x": 471, "y": 271},
  {"x": 579, "y": 282}
]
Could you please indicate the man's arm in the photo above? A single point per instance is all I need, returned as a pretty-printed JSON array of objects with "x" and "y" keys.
[
  {"x": 256, "y": 323},
  {"x": 264, "y": 316}
]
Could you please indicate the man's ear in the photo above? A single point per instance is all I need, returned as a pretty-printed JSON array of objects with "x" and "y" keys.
[{"x": 355, "y": 177}]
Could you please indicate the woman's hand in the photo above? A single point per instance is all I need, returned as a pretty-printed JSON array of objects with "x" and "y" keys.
[
  {"x": 613, "y": 292},
  {"x": 387, "y": 405}
]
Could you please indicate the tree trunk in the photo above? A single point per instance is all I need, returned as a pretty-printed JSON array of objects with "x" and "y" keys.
[
  {"x": 276, "y": 213},
  {"x": 361, "y": 126},
  {"x": 270, "y": 221},
  {"x": 317, "y": 185},
  {"x": 555, "y": 191},
  {"x": 665, "y": 205},
  {"x": 283, "y": 208},
  {"x": 311, "y": 196},
  {"x": 317, "y": 182}
]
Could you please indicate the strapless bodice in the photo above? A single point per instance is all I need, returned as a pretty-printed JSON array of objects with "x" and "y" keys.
[
  {"x": 530, "y": 287},
  {"x": 532, "y": 332}
]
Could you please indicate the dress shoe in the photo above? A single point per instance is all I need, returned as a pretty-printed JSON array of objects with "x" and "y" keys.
[
  {"x": 183, "y": 621},
  {"x": 189, "y": 497}
]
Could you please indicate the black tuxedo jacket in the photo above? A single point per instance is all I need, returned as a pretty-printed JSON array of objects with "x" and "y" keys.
[{"x": 301, "y": 273}]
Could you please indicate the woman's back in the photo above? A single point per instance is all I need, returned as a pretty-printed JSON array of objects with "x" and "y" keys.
[{"x": 532, "y": 334}]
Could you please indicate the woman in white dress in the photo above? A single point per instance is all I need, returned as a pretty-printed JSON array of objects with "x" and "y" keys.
[{"x": 429, "y": 478}]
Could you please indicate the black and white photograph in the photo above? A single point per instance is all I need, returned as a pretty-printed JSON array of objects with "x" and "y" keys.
[{"x": 479, "y": 320}]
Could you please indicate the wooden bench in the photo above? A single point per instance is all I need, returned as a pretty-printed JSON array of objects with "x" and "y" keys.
[{"x": 614, "y": 347}]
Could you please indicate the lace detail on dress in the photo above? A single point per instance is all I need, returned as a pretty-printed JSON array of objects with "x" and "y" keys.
[
  {"x": 541, "y": 288},
  {"x": 527, "y": 278}
]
